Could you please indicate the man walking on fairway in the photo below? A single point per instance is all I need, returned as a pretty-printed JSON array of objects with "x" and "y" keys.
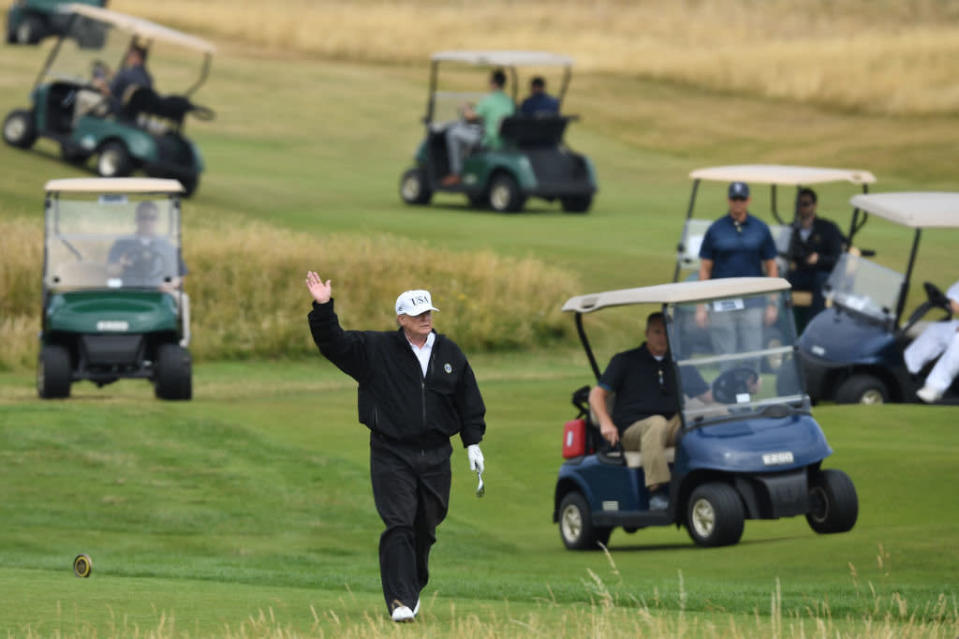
[{"x": 416, "y": 390}]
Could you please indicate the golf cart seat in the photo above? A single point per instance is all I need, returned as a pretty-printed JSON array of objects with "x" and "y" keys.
[
  {"x": 634, "y": 459},
  {"x": 532, "y": 131},
  {"x": 140, "y": 100}
]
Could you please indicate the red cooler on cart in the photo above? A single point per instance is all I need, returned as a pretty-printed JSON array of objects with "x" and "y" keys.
[{"x": 574, "y": 438}]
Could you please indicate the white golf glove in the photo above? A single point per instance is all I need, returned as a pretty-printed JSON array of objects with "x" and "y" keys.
[{"x": 476, "y": 457}]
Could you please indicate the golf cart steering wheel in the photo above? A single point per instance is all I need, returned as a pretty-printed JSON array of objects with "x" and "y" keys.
[
  {"x": 144, "y": 266},
  {"x": 733, "y": 382},
  {"x": 937, "y": 298}
]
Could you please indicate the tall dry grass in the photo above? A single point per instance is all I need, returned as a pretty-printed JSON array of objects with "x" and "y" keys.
[
  {"x": 248, "y": 297},
  {"x": 882, "y": 56},
  {"x": 606, "y": 616}
]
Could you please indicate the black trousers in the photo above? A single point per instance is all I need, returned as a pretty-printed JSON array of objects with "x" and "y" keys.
[{"x": 411, "y": 488}]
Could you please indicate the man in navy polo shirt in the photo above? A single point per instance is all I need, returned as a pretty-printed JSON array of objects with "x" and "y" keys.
[{"x": 737, "y": 245}]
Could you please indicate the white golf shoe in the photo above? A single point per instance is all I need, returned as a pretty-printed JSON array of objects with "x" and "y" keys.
[
  {"x": 402, "y": 614},
  {"x": 929, "y": 394},
  {"x": 416, "y": 608}
]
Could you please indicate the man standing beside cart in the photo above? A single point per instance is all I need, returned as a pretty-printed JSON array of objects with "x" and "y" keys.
[{"x": 737, "y": 245}]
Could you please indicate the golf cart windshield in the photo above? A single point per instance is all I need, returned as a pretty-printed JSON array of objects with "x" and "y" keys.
[
  {"x": 862, "y": 286},
  {"x": 727, "y": 367},
  {"x": 97, "y": 40},
  {"x": 112, "y": 241}
]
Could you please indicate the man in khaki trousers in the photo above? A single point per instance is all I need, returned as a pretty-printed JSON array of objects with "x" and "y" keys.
[{"x": 645, "y": 409}]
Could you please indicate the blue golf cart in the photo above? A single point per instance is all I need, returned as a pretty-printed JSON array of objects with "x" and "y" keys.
[
  {"x": 753, "y": 451},
  {"x": 853, "y": 351}
]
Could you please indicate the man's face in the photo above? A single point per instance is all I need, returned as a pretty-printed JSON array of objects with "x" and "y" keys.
[
  {"x": 656, "y": 338},
  {"x": 418, "y": 326},
  {"x": 807, "y": 208},
  {"x": 147, "y": 223},
  {"x": 738, "y": 206}
]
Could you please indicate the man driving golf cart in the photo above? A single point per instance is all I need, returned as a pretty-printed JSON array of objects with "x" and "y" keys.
[
  {"x": 121, "y": 121},
  {"x": 754, "y": 452},
  {"x": 517, "y": 156},
  {"x": 113, "y": 300},
  {"x": 853, "y": 352}
]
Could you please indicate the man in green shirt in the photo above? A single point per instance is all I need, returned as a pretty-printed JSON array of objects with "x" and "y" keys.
[{"x": 479, "y": 125}]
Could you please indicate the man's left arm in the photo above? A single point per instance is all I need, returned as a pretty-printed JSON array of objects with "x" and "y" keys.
[{"x": 470, "y": 407}]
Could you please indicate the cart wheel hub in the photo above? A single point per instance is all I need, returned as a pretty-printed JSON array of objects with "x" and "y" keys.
[
  {"x": 704, "y": 518},
  {"x": 572, "y": 521}
]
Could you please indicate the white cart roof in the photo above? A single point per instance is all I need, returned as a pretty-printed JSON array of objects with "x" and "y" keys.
[
  {"x": 782, "y": 174},
  {"x": 919, "y": 210},
  {"x": 680, "y": 292},
  {"x": 140, "y": 27},
  {"x": 504, "y": 58},
  {"x": 113, "y": 185}
]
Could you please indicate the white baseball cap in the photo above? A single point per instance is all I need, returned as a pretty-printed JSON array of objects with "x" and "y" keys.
[{"x": 414, "y": 303}]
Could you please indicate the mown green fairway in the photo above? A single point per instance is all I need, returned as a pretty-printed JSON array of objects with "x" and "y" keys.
[{"x": 254, "y": 497}]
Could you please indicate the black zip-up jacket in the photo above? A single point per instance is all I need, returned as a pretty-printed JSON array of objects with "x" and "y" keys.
[{"x": 394, "y": 398}]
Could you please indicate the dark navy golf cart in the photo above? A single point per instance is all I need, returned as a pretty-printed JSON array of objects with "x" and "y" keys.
[
  {"x": 853, "y": 351},
  {"x": 751, "y": 451},
  {"x": 534, "y": 161}
]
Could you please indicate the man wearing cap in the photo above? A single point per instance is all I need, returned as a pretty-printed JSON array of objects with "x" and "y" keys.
[
  {"x": 416, "y": 390},
  {"x": 737, "y": 245}
]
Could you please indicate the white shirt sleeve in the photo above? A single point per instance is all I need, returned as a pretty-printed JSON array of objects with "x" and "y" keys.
[{"x": 953, "y": 292}]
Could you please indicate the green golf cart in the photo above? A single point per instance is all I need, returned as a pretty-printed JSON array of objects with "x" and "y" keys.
[
  {"x": 30, "y": 21},
  {"x": 139, "y": 130},
  {"x": 533, "y": 160},
  {"x": 113, "y": 302}
]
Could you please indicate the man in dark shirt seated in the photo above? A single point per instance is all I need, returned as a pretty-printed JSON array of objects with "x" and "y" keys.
[
  {"x": 814, "y": 248},
  {"x": 133, "y": 73},
  {"x": 645, "y": 409},
  {"x": 539, "y": 102}
]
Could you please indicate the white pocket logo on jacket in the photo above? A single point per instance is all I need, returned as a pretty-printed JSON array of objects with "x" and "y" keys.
[{"x": 447, "y": 368}]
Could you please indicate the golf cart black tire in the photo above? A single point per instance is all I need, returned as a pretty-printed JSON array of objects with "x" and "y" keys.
[
  {"x": 834, "y": 505},
  {"x": 479, "y": 201},
  {"x": 576, "y": 203},
  {"x": 862, "y": 388},
  {"x": 27, "y": 134},
  {"x": 54, "y": 372},
  {"x": 174, "y": 373},
  {"x": 190, "y": 184},
  {"x": 722, "y": 503},
  {"x": 573, "y": 509},
  {"x": 72, "y": 156},
  {"x": 504, "y": 194},
  {"x": 29, "y": 31},
  {"x": 116, "y": 153},
  {"x": 415, "y": 188}
]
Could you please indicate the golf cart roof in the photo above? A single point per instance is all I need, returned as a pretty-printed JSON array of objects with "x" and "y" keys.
[
  {"x": 504, "y": 58},
  {"x": 782, "y": 174},
  {"x": 139, "y": 27},
  {"x": 918, "y": 210},
  {"x": 680, "y": 292},
  {"x": 113, "y": 185}
]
